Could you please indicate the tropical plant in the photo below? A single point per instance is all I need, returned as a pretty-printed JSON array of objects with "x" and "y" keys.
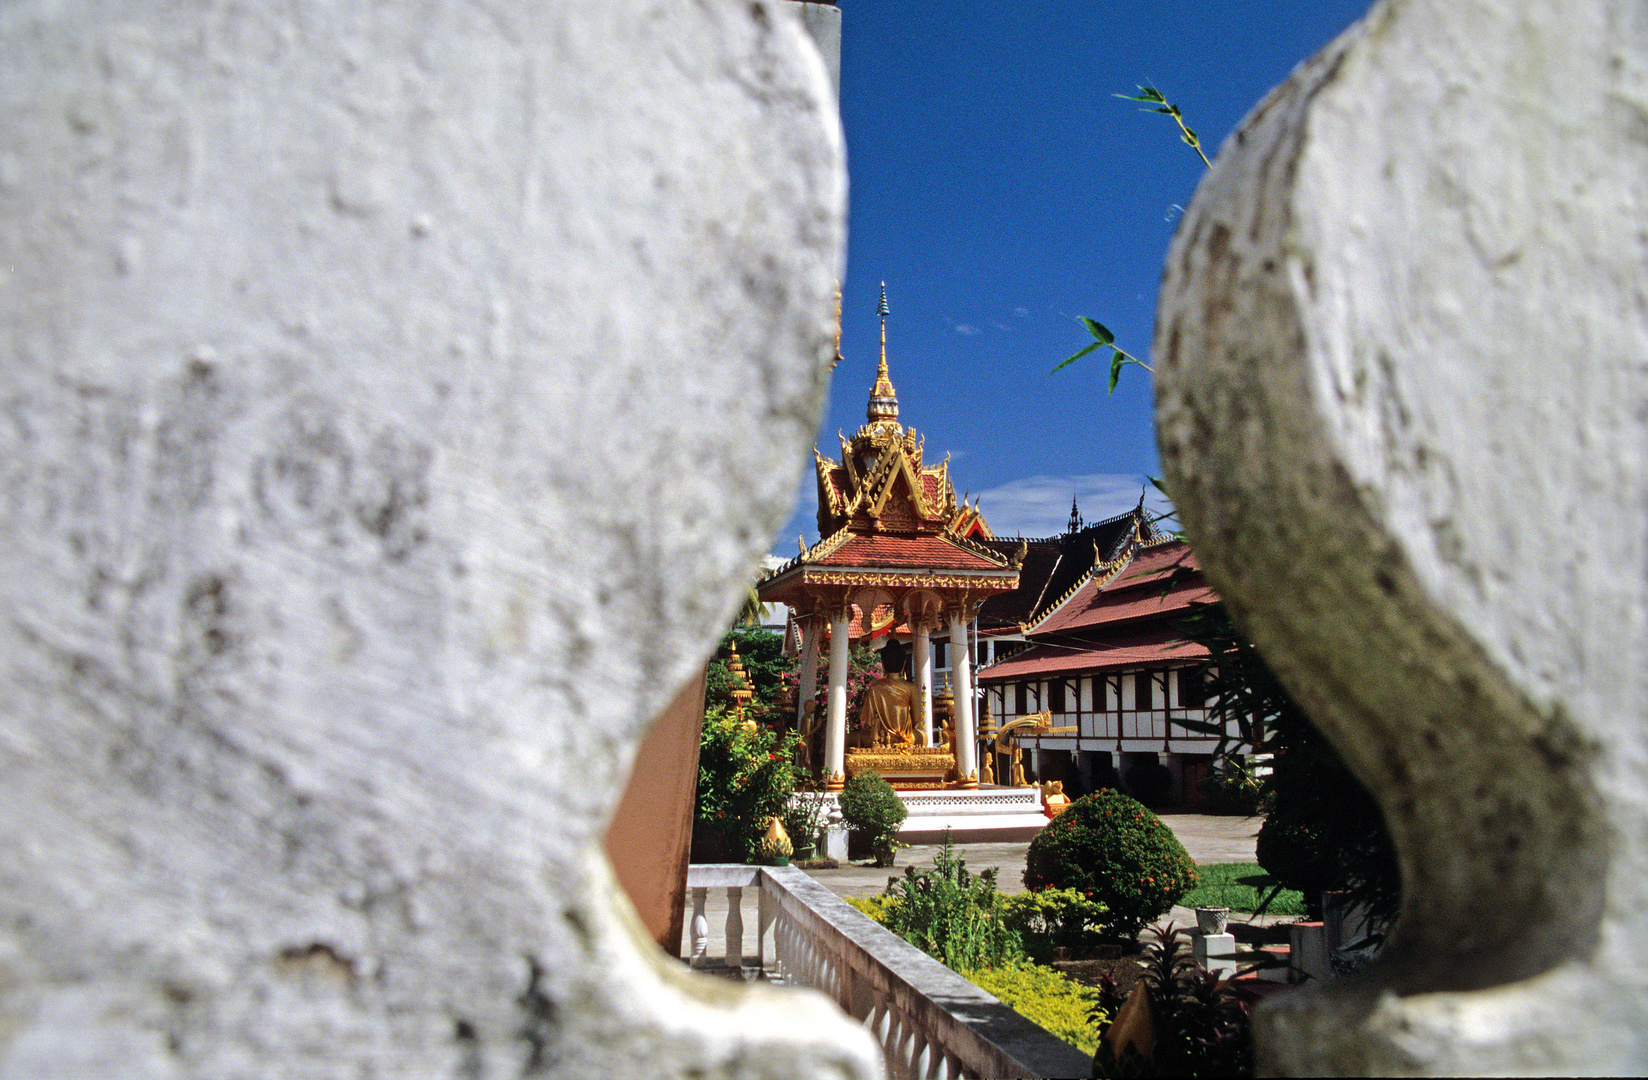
[
  {"x": 1232, "y": 787},
  {"x": 1054, "y": 919},
  {"x": 951, "y": 914},
  {"x": 745, "y": 776},
  {"x": 1199, "y": 1026},
  {"x": 873, "y": 810},
  {"x": 1112, "y": 850}
]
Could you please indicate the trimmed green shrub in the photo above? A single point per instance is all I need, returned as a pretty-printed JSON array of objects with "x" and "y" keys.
[
  {"x": 1054, "y": 919},
  {"x": 1109, "y": 848},
  {"x": 1295, "y": 855},
  {"x": 950, "y": 914},
  {"x": 873, "y": 810},
  {"x": 1043, "y": 996}
]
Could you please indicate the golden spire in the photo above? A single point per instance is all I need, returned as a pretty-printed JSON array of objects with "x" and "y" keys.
[{"x": 883, "y": 398}]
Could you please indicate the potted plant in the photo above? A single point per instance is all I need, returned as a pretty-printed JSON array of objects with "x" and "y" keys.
[
  {"x": 873, "y": 811},
  {"x": 803, "y": 818}
]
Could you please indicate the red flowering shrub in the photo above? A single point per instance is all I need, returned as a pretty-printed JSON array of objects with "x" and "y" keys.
[
  {"x": 863, "y": 668},
  {"x": 1109, "y": 848},
  {"x": 745, "y": 776}
]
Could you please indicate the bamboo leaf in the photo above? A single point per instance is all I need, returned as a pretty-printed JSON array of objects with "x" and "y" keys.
[
  {"x": 1067, "y": 361},
  {"x": 1100, "y": 333}
]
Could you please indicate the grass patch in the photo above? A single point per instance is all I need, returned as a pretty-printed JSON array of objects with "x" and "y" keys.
[{"x": 1240, "y": 887}]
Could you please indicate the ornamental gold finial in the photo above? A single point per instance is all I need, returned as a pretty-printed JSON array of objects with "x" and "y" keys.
[{"x": 883, "y": 398}]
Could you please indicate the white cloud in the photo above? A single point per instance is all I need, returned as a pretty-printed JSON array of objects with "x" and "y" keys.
[
  {"x": 1040, "y": 505},
  {"x": 963, "y": 328},
  {"x": 1022, "y": 312}
]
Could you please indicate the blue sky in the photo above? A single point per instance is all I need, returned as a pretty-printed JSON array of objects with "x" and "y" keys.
[{"x": 999, "y": 189}]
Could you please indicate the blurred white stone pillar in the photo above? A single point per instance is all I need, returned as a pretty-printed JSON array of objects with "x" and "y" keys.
[
  {"x": 1402, "y": 400},
  {"x": 361, "y": 369}
]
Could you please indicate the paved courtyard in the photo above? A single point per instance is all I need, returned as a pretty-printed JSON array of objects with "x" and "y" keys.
[{"x": 1208, "y": 840}]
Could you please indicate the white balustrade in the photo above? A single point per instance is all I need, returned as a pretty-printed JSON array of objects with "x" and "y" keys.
[{"x": 929, "y": 1020}]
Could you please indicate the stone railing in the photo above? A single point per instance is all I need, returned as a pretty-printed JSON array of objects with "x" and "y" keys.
[{"x": 929, "y": 1021}]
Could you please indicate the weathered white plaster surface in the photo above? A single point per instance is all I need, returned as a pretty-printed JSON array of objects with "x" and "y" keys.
[
  {"x": 1403, "y": 405},
  {"x": 395, "y": 399}
]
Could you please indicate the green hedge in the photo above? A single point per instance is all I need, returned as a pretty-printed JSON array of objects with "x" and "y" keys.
[{"x": 1046, "y": 997}]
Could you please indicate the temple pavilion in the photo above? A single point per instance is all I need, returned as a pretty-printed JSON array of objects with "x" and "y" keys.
[{"x": 898, "y": 548}]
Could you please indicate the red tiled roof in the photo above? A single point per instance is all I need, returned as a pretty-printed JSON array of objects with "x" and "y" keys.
[
  {"x": 837, "y": 477},
  {"x": 906, "y": 552},
  {"x": 1135, "y": 592},
  {"x": 1145, "y": 647}
]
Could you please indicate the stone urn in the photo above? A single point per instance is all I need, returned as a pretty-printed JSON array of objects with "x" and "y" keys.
[{"x": 1212, "y": 920}]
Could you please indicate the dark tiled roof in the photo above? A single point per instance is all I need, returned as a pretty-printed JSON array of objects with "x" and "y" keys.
[
  {"x": 1146, "y": 646},
  {"x": 1005, "y": 611},
  {"x": 1133, "y": 593},
  {"x": 1052, "y": 566}
]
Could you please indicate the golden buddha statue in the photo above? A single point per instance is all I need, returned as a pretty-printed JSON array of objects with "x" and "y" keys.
[
  {"x": 891, "y": 737},
  {"x": 887, "y": 717}
]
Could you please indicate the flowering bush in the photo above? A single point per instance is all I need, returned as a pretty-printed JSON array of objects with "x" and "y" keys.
[
  {"x": 863, "y": 668},
  {"x": 745, "y": 776},
  {"x": 1109, "y": 848}
]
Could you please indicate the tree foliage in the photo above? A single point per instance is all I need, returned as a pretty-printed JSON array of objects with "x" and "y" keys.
[
  {"x": 1323, "y": 830},
  {"x": 746, "y": 774}
]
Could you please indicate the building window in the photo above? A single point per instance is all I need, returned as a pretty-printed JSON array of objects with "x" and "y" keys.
[
  {"x": 1192, "y": 691},
  {"x": 1018, "y": 700},
  {"x": 1100, "y": 693},
  {"x": 1055, "y": 696},
  {"x": 1144, "y": 696},
  {"x": 941, "y": 653}
]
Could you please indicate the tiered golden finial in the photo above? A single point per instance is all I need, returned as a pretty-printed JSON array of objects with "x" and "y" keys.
[
  {"x": 883, "y": 405},
  {"x": 741, "y": 691}
]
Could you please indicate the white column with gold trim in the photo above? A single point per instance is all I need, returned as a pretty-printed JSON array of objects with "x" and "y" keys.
[
  {"x": 961, "y": 678},
  {"x": 835, "y": 731}
]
